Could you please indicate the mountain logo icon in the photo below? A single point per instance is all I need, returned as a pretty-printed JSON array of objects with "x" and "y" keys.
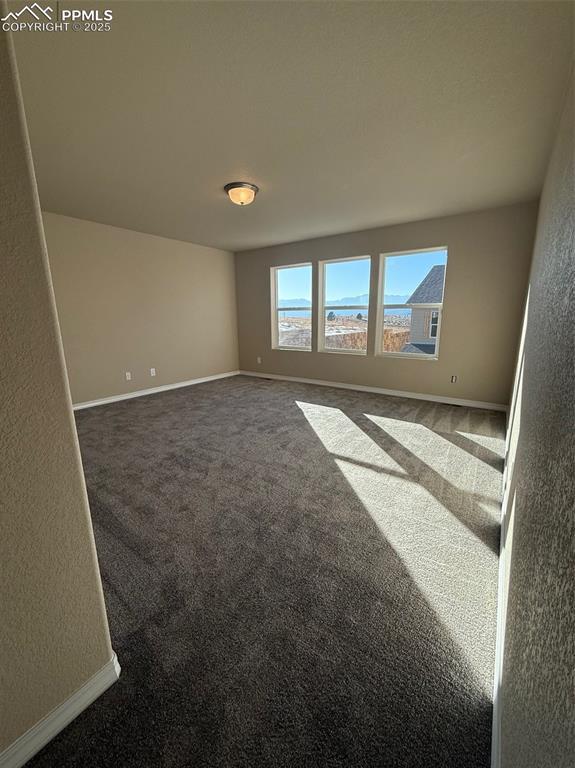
[{"x": 36, "y": 10}]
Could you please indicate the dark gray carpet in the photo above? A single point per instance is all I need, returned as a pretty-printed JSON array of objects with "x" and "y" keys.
[{"x": 295, "y": 576}]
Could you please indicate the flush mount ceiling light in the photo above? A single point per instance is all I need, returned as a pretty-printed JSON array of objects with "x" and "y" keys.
[{"x": 241, "y": 193}]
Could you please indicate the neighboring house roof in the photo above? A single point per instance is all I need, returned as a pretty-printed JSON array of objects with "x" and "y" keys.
[
  {"x": 430, "y": 289},
  {"x": 427, "y": 348}
]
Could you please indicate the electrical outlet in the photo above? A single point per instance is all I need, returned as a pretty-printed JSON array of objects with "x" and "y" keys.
[
  {"x": 453, "y": 379},
  {"x": 259, "y": 360},
  {"x": 152, "y": 371},
  {"x": 128, "y": 376}
]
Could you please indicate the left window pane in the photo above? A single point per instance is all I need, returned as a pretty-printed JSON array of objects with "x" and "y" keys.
[{"x": 292, "y": 307}]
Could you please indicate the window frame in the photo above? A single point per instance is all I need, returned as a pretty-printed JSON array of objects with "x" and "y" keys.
[
  {"x": 381, "y": 307},
  {"x": 275, "y": 309},
  {"x": 322, "y": 308}
]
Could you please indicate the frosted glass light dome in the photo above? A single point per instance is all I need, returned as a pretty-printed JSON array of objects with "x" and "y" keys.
[{"x": 241, "y": 193}]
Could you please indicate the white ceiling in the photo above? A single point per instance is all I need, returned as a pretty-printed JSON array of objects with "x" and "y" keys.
[{"x": 348, "y": 115}]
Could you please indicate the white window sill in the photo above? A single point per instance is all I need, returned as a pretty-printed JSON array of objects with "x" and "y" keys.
[
  {"x": 291, "y": 349},
  {"x": 361, "y": 352},
  {"x": 408, "y": 356}
]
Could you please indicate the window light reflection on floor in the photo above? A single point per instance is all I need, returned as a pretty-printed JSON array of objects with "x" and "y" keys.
[{"x": 419, "y": 489}]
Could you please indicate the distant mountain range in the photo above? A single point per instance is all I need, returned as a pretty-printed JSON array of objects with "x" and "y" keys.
[{"x": 391, "y": 298}]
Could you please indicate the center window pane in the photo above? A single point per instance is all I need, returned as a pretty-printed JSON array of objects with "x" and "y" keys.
[
  {"x": 346, "y": 329},
  {"x": 346, "y": 302},
  {"x": 347, "y": 282}
]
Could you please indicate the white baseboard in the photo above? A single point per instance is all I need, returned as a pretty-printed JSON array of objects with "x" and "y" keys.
[
  {"x": 319, "y": 382},
  {"x": 31, "y": 742},
  {"x": 380, "y": 391},
  {"x": 152, "y": 390}
]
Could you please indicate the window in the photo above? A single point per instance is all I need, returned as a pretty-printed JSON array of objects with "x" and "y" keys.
[
  {"x": 433, "y": 323},
  {"x": 411, "y": 303},
  {"x": 344, "y": 305},
  {"x": 291, "y": 307}
]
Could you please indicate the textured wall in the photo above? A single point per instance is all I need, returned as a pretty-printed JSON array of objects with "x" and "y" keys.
[
  {"x": 537, "y": 694},
  {"x": 53, "y": 630},
  {"x": 486, "y": 279},
  {"x": 130, "y": 302}
]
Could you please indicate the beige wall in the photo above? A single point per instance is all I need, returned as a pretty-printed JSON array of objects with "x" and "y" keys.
[
  {"x": 536, "y": 701},
  {"x": 53, "y": 630},
  {"x": 130, "y": 302},
  {"x": 486, "y": 279}
]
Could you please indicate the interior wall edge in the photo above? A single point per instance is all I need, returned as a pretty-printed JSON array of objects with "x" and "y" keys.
[
  {"x": 535, "y": 709},
  {"x": 54, "y": 631}
]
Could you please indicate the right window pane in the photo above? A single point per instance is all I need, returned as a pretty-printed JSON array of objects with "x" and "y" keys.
[{"x": 412, "y": 292}]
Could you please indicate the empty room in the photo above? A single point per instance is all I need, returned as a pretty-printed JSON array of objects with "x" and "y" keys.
[{"x": 287, "y": 384}]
